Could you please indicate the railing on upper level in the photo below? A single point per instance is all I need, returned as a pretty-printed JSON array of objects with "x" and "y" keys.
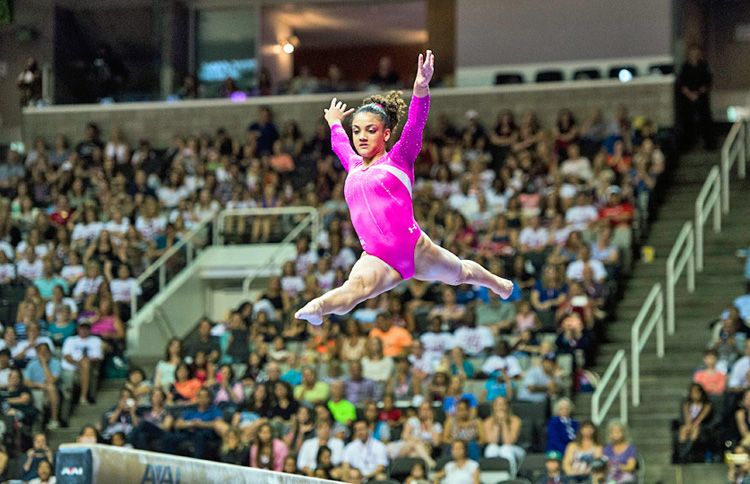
[
  {"x": 600, "y": 409},
  {"x": 174, "y": 259},
  {"x": 708, "y": 201},
  {"x": 652, "y": 313},
  {"x": 681, "y": 256},
  {"x": 734, "y": 150},
  {"x": 312, "y": 212}
]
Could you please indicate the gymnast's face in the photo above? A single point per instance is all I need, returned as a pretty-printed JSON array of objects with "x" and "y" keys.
[{"x": 369, "y": 134}]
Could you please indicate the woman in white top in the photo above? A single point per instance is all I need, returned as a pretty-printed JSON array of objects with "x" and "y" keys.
[
  {"x": 375, "y": 365},
  {"x": 164, "y": 374},
  {"x": 149, "y": 222},
  {"x": 116, "y": 148},
  {"x": 118, "y": 224},
  {"x": 422, "y": 437},
  {"x": 460, "y": 470}
]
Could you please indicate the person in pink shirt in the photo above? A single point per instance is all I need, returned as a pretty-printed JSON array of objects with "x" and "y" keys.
[
  {"x": 378, "y": 192},
  {"x": 711, "y": 379}
]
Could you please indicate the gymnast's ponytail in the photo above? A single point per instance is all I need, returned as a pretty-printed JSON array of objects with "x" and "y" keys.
[{"x": 390, "y": 107}]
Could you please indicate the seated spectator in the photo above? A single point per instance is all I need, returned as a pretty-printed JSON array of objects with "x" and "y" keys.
[
  {"x": 500, "y": 385},
  {"x": 541, "y": 382},
  {"x": 88, "y": 285},
  {"x": 201, "y": 426},
  {"x": 25, "y": 350},
  {"x": 457, "y": 364},
  {"x": 502, "y": 359},
  {"x": 352, "y": 344},
  {"x": 343, "y": 410},
  {"x": 38, "y": 453},
  {"x": 4, "y": 367},
  {"x": 45, "y": 473},
  {"x": 59, "y": 301},
  {"x": 358, "y": 388},
  {"x": 603, "y": 249},
  {"x": 42, "y": 376},
  {"x": 311, "y": 390},
  {"x": 575, "y": 269},
  {"x": 267, "y": 452},
  {"x": 576, "y": 168},
  {"x": 365, "y": 454},
  {"x": 420, "y": 364},
  {"x": 238, "y": 344},
  {"x": 619, "y": 214},
  {"x": 233, "y": 450},
  {"x": 501, "y": 432},
  {"x": 583, "y": 214},
  {"x": 553, "y": 469},
  {"x": 418, "y": 474},
  {"x": 307, "y": 459},
  {"x": 7, "y": 269},
  {"x": 465, "y": 427},
  {"x": 561, "y": 428},
  {"x": 123, "y": 288},
  {"x": 695, "y": 410},
  {"x": 574, "y": 337},
  {"x": 422, "y": 437},
  {"x": 395, "y": 340},
  {"x": 186, "y": 387},
  {"x": 18, "y": 399},
  {"x": 581, "y": 453},
  {"x": 137, "y": 383},
  {"x": 739, "y": 465},
  {"x": 525, "y": 319},
  {"x": 709, "y": 378},
  {"x": 471, "y": 339},
  {"x": 109, "y": 327},
  {"x": 31, "y": 267},
  {"x": 375, "y": 365},
  {"x": 460, "y": 469},
  {"x": 254, "y": 412},
  {"x": 204, "y": 342},
  {"x": 154, "y": 423},
  {"x": 621, "y": 455},
  {"x": 81, "y": 357},
  {"x": 405, "y": 383},
  {"x": 548, "y": 294},
  {"x": 49, "y": 280},
  {"x": 456, "y": 394},
  {"x": 739, "y": 378},
  {"x": 742, "y": 419},
  {"x": 164, "y": 372},
  {"x": 728, "y": 341},
  {"x": 449, "y": 310},
  {"x": 436, "y": 342},
  {"x": 123, "y": 417}
]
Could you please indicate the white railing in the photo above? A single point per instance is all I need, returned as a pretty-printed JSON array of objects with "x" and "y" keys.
[
  {"x": 599, "y": 410},
  {"x": 312, "y": 218},
  {"x": 265, "y": 212},
  {"x": 709, "y": 200},
  {"x": 681, "y": 255},
  {"x": 652, "y": 313},
  {"x": 193, "y": 240},
  {"x": 733, "y": 150}
]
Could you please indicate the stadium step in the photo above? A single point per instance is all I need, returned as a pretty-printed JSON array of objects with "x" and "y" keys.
[{"x": 664, "y": 381}]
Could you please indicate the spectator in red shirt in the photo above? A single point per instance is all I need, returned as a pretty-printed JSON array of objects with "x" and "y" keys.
[
  {"x": 619, "y": 214},
  {"x": 711, "y": 379}
]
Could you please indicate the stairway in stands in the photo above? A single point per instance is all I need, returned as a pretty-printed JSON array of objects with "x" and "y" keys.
[{"x": 664, "y": 381}]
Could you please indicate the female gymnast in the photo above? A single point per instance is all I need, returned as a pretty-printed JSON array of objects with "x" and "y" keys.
[{"x": 378, "y": 192}]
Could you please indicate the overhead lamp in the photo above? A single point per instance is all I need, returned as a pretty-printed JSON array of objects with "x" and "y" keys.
[{"x": 290, "y": 44}]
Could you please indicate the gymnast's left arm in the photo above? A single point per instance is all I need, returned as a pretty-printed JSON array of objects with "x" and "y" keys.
[{"x": 410, "y": 143}]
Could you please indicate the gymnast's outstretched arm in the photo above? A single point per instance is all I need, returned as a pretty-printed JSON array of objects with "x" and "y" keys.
[
  {"x": 334, "y": 115},
  {"x": 405, "y": 151}
]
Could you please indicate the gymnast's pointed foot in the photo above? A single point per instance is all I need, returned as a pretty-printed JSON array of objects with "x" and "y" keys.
[
  {"x": 312, "y": 312},
  {"x": 504, "y": 288}
]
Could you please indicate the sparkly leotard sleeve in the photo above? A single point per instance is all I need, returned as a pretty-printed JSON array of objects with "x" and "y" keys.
[{"x": 379, "y": 194}]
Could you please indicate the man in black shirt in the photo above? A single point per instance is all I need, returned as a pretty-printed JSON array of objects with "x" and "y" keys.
[
  {"x": 694, "y": 102},
  {"x": 203, "y": 342}
]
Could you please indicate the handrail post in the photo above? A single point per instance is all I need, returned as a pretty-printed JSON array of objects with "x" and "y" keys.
[
  {"x": 743, "y": 152},
  {"x": 162, "y": 276},
  {"x": 670, "y": 298},
  {"x": 190, "y": 252},
  {"x": 624, "y": 391},
  {"x": 717, "y": 208},
  {"x": 725, "y": 178},
  {"x": 691, "y": 261},
  {"x": 133, "y": 304},
  {"x": 699, "y": 235},
  {"x": 635, "y": 365},
  {"x": 660, "y": 326}
]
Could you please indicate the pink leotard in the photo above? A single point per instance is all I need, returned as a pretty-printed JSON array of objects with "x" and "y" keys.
[{"x": 379, "y": 195}]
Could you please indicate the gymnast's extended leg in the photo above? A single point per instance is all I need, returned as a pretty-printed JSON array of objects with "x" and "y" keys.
[
  {"x": 434, "y": 263},
  {"x": 368, "y": 278}
]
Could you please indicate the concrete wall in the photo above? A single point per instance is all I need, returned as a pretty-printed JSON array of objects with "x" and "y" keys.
[
  {"x": 493, "y": 32},
  {"x": 651, "y": 97}
]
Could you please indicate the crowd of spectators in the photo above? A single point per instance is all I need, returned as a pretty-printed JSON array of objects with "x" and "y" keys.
[
  {"x": 714, "y": 421},
  {"x": 556, "y": 210}
]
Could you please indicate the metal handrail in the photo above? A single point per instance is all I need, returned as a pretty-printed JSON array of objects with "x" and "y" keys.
[
  {"x": 708, "y": 201},
  {"x": 257, "y": 211},
  {"x": 638, "y": 339},
  {"x": 160, "y": 264},
  {"x": 599, "y": 410},
  {"x": 682, "y": 254},
  {"x": 735, "y": 145},
  {"x": 311, "y": 218}
]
